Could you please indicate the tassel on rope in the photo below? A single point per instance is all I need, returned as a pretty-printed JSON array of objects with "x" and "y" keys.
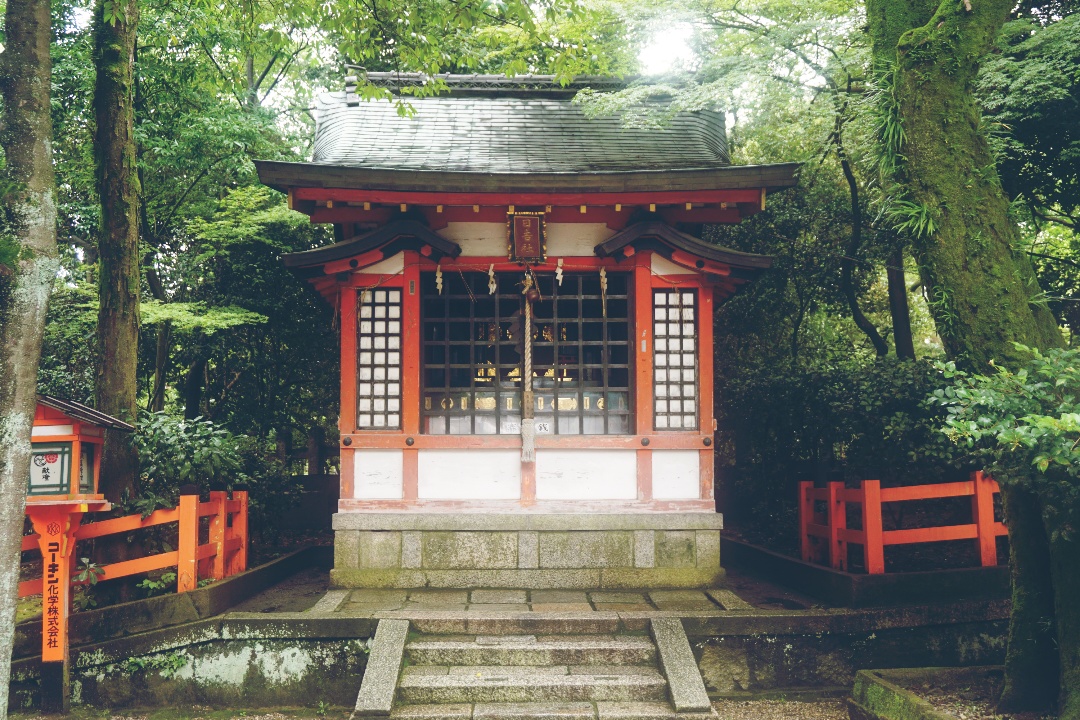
[
  {"x": 528, "y": 427},
  {"x": 558, "y": 272},
  {"x": 492, "y": 285},
  {"x": 603, "y": 290},
  {"x": 438, "y": 278}
]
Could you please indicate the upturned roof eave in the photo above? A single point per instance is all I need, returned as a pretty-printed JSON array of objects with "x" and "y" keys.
[{"x": 284, "y": 175}]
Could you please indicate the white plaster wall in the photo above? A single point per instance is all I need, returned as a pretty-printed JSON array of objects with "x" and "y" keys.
[
  {"x": 563, "y": 239},
  {"x": 586, "y": 475},
  {"x": 477, "y": 238},
  {"x": 390, "y": 266},
  {"x": 469, "y": 475},
  {"x": 663, "y": 266},
  {"x": 377, "y": 474},
  {"x": 575, "y": 239},
  {"x": 676, "y": 474},
  {"x": 45, "y": 430}
]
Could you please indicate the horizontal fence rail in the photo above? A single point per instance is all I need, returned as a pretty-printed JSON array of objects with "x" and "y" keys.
[
  {"x": 224, "y": 554},
  {"x": 824, "y": 537}
]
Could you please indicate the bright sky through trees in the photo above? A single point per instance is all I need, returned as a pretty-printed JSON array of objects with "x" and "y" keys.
[{"x": 668, "y": 49}]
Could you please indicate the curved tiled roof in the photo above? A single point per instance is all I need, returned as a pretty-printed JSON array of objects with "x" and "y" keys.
[{"x": 508, "y": 135}]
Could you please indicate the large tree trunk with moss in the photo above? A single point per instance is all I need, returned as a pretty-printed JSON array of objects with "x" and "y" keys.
[
  {"x": 1065, "y": 566},
  {"x": 983, "y": 295},
  {"x": 28, "y": 264},
  {"x": 118, "y": 242}
]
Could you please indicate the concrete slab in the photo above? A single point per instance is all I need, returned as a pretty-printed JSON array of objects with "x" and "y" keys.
[
  {"x": 497, "y": 607},
  {"x": 558, "y": 596},
  {"x": 679, "y": 666},
  {"x": 634, "y": 711},
  {"x": 681, "y": 600},
  {"x": 439, "y": 597},
  {"x": 498, "y": 596},
  {"x": 561, "y": 607},
  {"x": 534, "y": 711},
  {"x": 456, "y": 711},
  {"x": 329, "y": 602},
  {"x": 377, "y": 596},
  {"x": 729, "y": 600},
  {"x": 618, "y": 597},
  {"x": 376, "y": 696}
]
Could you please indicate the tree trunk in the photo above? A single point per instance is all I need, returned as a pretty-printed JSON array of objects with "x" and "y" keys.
[
  {"x": 193, "y": 386},
  {"x": 983, "y": 296},
  {"x": 118, "y": 242},
  {"x": 1065, "y": 567},
  {"x": 847, "y": 264},
  {"x": 28, "y": 264},
  {"x": 898, "y": 307},
  {"x": 1031, "y": 663},
  {"x": 164, "y": 338}
]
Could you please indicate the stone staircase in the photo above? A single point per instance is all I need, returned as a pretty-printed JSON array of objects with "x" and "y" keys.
[{"x": 531, "y": 667}]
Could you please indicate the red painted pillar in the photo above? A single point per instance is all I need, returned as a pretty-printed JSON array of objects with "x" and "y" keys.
[
  {"x": 806, "y": 516},
  {"x": 56, "y": 526},
  {"x": 219, "y": 521},
  {"x": 874, "y": 548},
  {"x": 837, "y": 514},
  {"x": 982, "y": 512},
  {"x": 237, "y": 563},
  {"x": 187, "y": 545}
]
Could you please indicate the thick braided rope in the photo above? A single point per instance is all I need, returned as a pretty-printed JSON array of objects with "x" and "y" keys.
[{"x": 528, "y": 427}]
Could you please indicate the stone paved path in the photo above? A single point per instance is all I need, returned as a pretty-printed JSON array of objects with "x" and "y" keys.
[
  {"x": 725, "y": 709},
  {"x": 368, "y": 602}
]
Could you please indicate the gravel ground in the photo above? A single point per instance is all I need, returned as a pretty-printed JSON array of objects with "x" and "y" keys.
[
  {"x": 780, "y": 710},
  {"x": 968, "y": 708},
  {"x": 726, "y": 710}
]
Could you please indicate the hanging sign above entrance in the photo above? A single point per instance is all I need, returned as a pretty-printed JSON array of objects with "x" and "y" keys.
[{"x": 526, "y": 241}]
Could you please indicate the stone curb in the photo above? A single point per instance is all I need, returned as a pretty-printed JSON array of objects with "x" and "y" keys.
[
  {"x": 859, "y": 590},
  {"x": 679, "y": 666},
  {"x": 875, "y": 697},
  {"x": 376, "y": 696},
  {"x": 140, "y": 616}
]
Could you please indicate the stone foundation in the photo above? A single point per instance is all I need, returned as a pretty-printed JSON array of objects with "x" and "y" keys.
[{"x": 502, "y": 550}]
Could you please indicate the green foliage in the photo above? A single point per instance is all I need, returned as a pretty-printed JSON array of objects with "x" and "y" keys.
[
  {"x": 161, "y": 585},
  {"x": 175, "y": 452},
  {"x": 1031, "y": 92},
  {"x": 166, "y": 664},
  {"x": 846, "y": 420},
  {"x": 69, "y": 349},
  {"x": 1023, "y": 419},
  {"x": 189, "y": 316},
  {"x": 89, "y": 572},
  {"x": 910, "y": 218}
]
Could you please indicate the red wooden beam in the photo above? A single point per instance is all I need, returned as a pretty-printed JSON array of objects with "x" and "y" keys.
[{"x": 398, "y": 197}]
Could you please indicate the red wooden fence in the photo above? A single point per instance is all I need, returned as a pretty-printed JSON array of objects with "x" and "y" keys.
[
  {"x": 824, "y": 537},
  {"x": 223, "y": 555}
]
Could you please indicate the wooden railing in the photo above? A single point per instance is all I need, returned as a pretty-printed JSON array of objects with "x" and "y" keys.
[
  {"x": 824, "y": 537},
  {"x": 224, "y": 554}
]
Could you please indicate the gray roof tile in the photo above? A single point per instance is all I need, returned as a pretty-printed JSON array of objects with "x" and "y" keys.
[{"x": 491, "y": 134}]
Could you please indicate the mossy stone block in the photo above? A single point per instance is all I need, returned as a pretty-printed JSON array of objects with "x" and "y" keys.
[
  {"x": 604, "y": 549},
  {"x": 676, "y": 549},
  {"x": 380, "y": 549},
  {"x": 347, "y": 549},
  {"x": 470, "y": 550}
]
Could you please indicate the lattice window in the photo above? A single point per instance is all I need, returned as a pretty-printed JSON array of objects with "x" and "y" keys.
[
  {"x": 378, "y": 361},
  {"x": 675, "y": 350},
  {"x": 472, "y": 354}
]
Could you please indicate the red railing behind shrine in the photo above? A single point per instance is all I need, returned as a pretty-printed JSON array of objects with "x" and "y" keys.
[
  {"x": 824, "y": 537},
  {"x": 224, "y": 554}
]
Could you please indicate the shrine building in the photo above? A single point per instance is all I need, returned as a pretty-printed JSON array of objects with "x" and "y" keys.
[{"x": 525, "y": 305}]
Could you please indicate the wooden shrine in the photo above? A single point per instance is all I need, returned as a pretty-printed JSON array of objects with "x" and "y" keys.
[{"x": 526, "y": 307}]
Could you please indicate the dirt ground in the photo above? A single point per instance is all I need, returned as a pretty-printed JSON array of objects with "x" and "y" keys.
[{"x": 726, "y": 710}]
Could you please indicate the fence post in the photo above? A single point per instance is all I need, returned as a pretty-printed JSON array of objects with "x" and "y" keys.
[
  {"x": 806, "y": 516},
  {"x": 982, "y": 512},
  {"x": 837, "y": 523},
  {"x": 874, "y": 549},
  {"x": 237, "y": 563},
  {"x": 218, "y": 522},
  {"x": 187, "y": 546}
]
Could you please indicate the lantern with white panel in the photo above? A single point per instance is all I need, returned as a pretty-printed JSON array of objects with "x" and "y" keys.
[{"x": 526, "y": 315}]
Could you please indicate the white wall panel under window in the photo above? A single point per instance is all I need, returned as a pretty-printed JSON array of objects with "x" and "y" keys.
[
  {"x": 586, "y": 475},
  {"x": 377, "y": 474},
  {"x": 676, "y": 474},
  {"x": 469, "y": 474}
]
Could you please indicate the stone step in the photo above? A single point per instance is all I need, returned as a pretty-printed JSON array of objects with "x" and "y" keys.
[
  {"x": 641, "y": 710},
  {"x": 437, "y": 622},
  {"x": 533, "y": 650},
  {"x": 421, "y": 684}
]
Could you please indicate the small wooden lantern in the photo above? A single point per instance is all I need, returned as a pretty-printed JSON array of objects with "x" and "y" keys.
[{"x": 66, "y": 447}]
